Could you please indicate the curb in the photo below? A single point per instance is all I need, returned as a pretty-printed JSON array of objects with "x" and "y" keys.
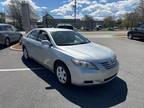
[
  {"x": 119, "y": 36},
  {"x": 14, "y": 49}
]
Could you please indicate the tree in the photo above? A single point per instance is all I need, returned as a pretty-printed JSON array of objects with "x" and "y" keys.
[
  {"x": 119, "y": 23},
  {"x": 15, "y": 12},
  {"x": 140, "y": 11},
  {"x": 88, "y": 18},
  {"x": 131, "y": 20},
  {"x": 2, "y": 17},
  {"x": 48, "y": 20},
  {"x": 89, "y": 25},
  {"x": 109, "y": 21}
]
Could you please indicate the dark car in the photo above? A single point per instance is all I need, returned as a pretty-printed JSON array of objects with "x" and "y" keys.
[
  {"x": 136, "y": 33},
  {"x": 66, "y": 26},
  {"x": 8, "y": 34}
]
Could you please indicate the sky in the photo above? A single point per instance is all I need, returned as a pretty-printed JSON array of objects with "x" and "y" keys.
[{"x": 98, "y": 9}]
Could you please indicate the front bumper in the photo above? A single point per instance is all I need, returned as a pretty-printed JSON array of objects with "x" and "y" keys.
[{"x": 81, "y": 76}]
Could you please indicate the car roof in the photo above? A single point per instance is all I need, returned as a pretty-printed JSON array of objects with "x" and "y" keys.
[{"x": 52, "y": 29}]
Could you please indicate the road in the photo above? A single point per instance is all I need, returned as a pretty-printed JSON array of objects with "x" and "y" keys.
[{"x": 26, "y": 84}]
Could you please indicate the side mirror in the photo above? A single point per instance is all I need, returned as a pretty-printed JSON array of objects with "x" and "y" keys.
[{"x": 46, "y": 43}]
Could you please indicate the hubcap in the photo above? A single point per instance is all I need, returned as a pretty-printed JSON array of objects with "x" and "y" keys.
[
  {"x": 61, "y": 74},
  {"x": 25, "y": 54}
]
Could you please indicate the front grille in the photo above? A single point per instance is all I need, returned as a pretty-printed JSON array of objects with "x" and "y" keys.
[{"x": 109, "y": 64}]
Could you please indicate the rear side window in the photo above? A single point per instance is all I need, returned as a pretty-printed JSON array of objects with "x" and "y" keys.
[
  {"x": 6, "y": 28},
  {"x": 33, "y": 35}
]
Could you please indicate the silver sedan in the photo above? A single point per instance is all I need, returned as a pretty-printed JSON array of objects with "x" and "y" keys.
[
  {"x": 72, "y": 57},
  {"x": 8, "y": 34}
]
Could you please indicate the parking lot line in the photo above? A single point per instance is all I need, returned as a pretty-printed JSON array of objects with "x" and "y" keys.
[{"x": 20, "y": 69}]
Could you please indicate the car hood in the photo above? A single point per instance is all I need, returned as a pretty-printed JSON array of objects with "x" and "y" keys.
[{"x": 89, "y": 51}]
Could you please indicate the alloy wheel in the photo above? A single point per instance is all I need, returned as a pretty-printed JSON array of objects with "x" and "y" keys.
[{"x": 61, "y": 74}]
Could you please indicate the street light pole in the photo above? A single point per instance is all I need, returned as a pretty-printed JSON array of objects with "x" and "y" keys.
[{"x": 75, "y": 9}]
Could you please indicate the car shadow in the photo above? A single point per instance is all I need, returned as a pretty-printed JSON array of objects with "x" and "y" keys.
[
  {"x": 140, "y": 40},
  {"x": 2, "y": 47},
  {"x": 100, "y": 96}
]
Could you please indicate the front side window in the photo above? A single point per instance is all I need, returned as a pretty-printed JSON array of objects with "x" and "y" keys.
[
  {"x": 42, "y": 35},
  {"x": 33, "y": 35},
  {"x": 64, "y": 38}
]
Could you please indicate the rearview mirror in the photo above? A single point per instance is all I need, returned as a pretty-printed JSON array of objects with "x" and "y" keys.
[{"x": 46, "y": 42}]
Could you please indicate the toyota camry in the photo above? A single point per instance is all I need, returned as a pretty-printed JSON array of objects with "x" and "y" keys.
[{"x": 73, "y": 58}]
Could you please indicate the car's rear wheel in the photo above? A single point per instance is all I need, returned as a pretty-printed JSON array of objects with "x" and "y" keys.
[
  {"x": 63, "y": 74},
  {"x": 7, "y": 42},
  {"x": 25, "y": 54},
  {"x": 130, "y": 36}
]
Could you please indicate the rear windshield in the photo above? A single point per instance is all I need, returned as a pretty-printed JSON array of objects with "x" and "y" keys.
[{"x": 6, "y": 28}]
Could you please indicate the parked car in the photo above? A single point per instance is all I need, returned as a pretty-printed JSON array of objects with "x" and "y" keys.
[
  {"x": 66, "y": 26},
  {"x": 72, "y": 57},
  {"x": 136, "y": 33},
  {"x": 8, "y": 34}
]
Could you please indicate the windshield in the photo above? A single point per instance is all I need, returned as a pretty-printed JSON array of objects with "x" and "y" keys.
[
  {"x": 64, "y": 38},
  {"x": 6, "y": 28}
]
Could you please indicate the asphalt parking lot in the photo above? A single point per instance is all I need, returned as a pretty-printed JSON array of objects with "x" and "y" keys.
[{"x": 26, "y": 84}]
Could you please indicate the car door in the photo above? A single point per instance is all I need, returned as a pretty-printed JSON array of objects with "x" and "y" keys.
[
  {"x": 10, "y": 32},
  {"x": 31, "y": 43},
  {"x": 140, "y": 32},
  {"x": 45, "y": 54}
]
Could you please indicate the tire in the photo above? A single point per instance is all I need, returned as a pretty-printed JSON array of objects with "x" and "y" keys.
[
  {"x": 7, "y": 42},
  {"x": 25, "y": 54},
  {"x": 130, "y": 36},
  {"x": 63, "y": 74}
]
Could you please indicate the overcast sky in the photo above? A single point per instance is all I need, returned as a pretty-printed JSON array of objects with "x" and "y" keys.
[{"x": 96, "y": 8}]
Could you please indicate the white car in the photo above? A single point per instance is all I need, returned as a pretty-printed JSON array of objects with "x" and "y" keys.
[{"x": 72, "y": 57}]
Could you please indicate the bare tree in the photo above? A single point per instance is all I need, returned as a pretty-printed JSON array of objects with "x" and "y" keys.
[
  {"x": 140, "y": 11},
  {"x": 88, "y": 22},
  {"x": 15, "y": 13},
  {"x": 109, "y": 21}
]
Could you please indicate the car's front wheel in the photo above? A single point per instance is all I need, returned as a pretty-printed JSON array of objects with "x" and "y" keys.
[
  {"x": 63, "y": 74},
  {"x": 130, "y": 36}
]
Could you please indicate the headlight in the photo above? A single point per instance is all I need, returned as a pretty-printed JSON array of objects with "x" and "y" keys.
[{"x": 83, "y": 63}]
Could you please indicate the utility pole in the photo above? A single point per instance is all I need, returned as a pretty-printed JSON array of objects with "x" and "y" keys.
[
  {"x": 75, "y": 9},
  {"x": 25, "y": 16}
]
